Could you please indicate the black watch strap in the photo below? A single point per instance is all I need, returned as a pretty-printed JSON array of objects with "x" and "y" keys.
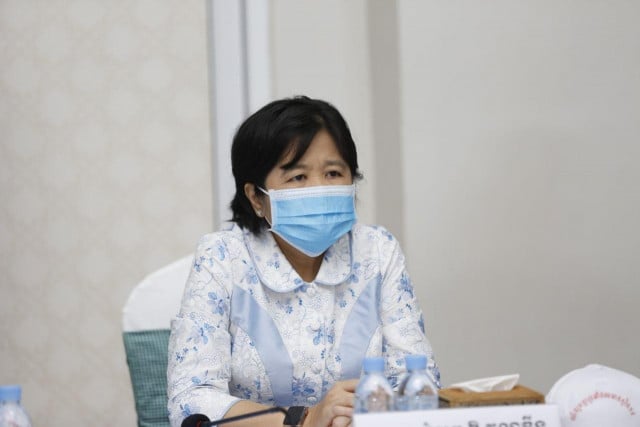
[{"x": 295, "y": 416}]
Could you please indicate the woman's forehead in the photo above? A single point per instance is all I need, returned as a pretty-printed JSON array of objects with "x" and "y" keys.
[{"x": 321, "y": 147}]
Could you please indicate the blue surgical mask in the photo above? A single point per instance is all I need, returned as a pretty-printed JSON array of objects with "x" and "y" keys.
[{"x": 312, "y": 219}]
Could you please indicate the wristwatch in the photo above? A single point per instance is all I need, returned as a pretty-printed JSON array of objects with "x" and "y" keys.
[{"x": 295, "y": 416}]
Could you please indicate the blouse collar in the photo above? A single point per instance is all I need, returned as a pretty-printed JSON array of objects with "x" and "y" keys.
[{"x": 278, "y": 274}]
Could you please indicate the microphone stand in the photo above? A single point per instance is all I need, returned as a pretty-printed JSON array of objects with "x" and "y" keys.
[
  {"x": 203, "y": 421},
  {"x": 249, "y": 415}
]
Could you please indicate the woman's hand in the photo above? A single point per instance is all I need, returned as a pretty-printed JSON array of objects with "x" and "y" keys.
[
  {"x": 341, "y": 421},
  {"x": 336, "y": 408}
]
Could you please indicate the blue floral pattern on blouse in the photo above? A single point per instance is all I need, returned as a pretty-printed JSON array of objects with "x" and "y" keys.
[{"x": 214, "y": 361}]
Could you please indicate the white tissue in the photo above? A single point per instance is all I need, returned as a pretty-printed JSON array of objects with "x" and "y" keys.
[{"x": 501, "y": 383}]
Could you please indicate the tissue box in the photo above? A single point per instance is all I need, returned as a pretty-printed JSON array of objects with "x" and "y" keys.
[{"x": 518, "y": 395}]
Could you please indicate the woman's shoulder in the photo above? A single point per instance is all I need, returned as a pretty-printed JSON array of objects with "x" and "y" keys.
[
  {"x": 230, "y": 234},
  {"x": 372, "y": 233},
  {"x": 376, "y": 243}
]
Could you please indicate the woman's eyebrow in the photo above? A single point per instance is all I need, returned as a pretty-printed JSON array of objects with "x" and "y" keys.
[
  {"x": 287, "y": 167},
  {"x": 337, "y": 162},
  {"x": 291, "y": 166}
]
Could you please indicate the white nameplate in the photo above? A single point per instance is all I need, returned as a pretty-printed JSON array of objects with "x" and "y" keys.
[{"x": 479, "y": 416}]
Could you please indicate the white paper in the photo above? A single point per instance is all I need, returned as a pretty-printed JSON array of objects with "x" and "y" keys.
[
  {"x": 546, "y": 415},
  {"x": 500, "y": 383}
]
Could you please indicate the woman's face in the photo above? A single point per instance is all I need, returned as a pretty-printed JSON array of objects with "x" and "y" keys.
[{"x": 321, "y": 164}]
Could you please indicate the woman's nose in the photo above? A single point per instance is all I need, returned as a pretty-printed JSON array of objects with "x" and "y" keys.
[{"x": 315, "y": 181}]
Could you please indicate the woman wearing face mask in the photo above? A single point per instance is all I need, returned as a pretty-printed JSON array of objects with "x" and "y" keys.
[{"x": 282, "y": 306}]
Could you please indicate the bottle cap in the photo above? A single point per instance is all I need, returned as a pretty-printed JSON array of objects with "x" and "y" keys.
[
  {"x": 10, "y": 393},
  {"x": 415, "y": 361},
  {"x": 373, "y": 364}
]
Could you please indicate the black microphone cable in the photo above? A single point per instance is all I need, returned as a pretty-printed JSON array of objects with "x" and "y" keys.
[{"x": 200, "y": 420}]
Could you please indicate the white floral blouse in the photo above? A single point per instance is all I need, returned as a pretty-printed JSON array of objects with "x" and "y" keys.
[{"x": 250, "y": 328}]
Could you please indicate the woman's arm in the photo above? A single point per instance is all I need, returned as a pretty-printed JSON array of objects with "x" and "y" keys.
[
  {"x": 199, "y": 362},
  {"x": 246, "y": 406},
  {"x": 401, "y": 315},
  {"x": 336, "y": 408}
]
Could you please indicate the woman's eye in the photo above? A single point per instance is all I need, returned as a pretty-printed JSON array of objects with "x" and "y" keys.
[
  {"x": 334, "y": 174},
  {"x": 297, "y": 178}
]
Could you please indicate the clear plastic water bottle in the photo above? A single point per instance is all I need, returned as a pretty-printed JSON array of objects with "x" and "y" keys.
[
  {"x": 416, "y": 391},
  {"x": 373, "y": 393},
  {"x": 12, "y": 414}
]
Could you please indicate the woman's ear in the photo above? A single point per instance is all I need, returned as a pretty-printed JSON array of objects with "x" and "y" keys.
[{"x": 254, "y": 199}]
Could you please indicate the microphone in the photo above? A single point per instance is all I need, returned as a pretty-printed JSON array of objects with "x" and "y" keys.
[
  {"x": 200, "y": 420},
  {"x": 195, "y": 420}
]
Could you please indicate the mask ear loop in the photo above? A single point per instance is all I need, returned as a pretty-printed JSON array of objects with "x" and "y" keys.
[{"x": 260, "y": 212}]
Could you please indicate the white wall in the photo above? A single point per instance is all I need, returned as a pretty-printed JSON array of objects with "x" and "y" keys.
[
  {"x": 105, "y": 175},
  {"x": 521, "y": 149}
]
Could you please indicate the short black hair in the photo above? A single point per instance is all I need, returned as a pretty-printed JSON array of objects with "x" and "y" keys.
[{"x": 277, "y": 129}]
